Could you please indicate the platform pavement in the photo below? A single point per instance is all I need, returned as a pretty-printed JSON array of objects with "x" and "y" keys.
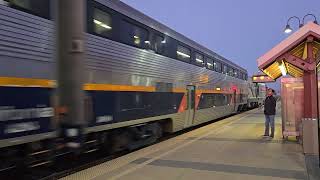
[{"x": 229, "y": 149}]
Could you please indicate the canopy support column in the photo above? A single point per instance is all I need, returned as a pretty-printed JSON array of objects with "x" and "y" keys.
[
  {"x": 70, "y": 21},
  {"x": 310, "y": 84}
]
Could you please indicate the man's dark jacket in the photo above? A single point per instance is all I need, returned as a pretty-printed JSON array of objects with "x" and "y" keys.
[{"x": 270, "y": 105}]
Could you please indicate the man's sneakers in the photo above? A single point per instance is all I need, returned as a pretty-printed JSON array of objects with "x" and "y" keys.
[
  {"x": 267, "y": 136},
  {"x": 272, "y": 136}
]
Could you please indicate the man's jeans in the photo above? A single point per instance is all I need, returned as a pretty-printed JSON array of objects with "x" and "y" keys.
[{"x": 269, "y": 120}]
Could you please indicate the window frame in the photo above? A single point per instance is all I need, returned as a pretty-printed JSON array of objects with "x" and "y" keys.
[
  {"x": 224, "y": 70},
  {"x": 153, "y": 41},
  {"x": 110, "y": 34},
  {"x": 236, "y": 73},
  {"x": 134, "y": 24},
  {"x": 183, "y": 59},
  {"x": 231, "y": 71},
  {"x": 195, "y": 53},
  {"x": 210, "y": 59},
  {"x": 30, "y": 11},
  {"x": 216, "y": 67}
]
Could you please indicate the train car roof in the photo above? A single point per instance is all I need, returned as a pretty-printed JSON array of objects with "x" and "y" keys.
[{"x": 129, "y": 11}]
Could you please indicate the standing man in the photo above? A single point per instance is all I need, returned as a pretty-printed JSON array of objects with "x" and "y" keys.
[{"x": 269, "y": 112}]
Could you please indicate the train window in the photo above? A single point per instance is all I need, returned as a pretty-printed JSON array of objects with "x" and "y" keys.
[
  {"x": 210, "y": 64},
  {"x": 131, "y": 101},
  {"x": 199, "y": 59},
  {"x": 102, "y": 23},
  {"x": 225, "y": 69},
  {"x": 183, "y": 53},
  {"x": 207, "y": 101},
  {"x": 37, "y": 7},
  {"x": 229, "y": 99},
  {"x": 236, "y": 73},
  {"x": 243, "y": 76},
  {"x": 217, "y": 66},
  {"x": 231, "y": 71},
  {"x": 220, "y": 100},
  {"x": 134, "y": 35},
  {"x": 158, "y": 44}
]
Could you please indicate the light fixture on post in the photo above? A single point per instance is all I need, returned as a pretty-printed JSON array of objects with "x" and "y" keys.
[
  {"x": 315, "y": 18},
  {"x": 288, "y": 29}
]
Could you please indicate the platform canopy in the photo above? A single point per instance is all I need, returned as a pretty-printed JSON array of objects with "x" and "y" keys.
[{"x": 291, "y": 55}]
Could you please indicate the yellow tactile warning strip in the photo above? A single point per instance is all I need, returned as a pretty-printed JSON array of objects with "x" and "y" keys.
[{"x": 173, "y": 145}]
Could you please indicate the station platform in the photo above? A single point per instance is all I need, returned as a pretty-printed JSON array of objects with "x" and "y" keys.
[{"x": 232, "y": 148}]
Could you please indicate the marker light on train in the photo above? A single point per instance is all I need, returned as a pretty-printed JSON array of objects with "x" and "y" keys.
[
  {"x": 183, "y": 54},
  {"x": 218, "y": 89},
  {"x": 254, "y": 78},
  {"x": 101, "y": 24},
  {"x": 262, "y": 77}
]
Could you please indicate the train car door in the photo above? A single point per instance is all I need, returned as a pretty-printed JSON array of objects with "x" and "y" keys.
[
  {"x": 190, "y": 105},
  {"x": 234, "y": 100}
]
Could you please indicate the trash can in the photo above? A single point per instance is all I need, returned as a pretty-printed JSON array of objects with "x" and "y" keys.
[{"x": 310, "y": 136}]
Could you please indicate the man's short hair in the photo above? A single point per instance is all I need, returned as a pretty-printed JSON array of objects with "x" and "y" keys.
[{"x": 271, "y": 90}]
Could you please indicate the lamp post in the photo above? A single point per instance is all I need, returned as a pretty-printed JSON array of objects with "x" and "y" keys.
[
  {"x": 288, "y": 28},
  {"x": 315, "y": 18}
]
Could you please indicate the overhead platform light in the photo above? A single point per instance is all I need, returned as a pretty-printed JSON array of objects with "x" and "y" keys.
[
  {"x": 262, "y": 78},
  {"x": 283, "y": 69}
]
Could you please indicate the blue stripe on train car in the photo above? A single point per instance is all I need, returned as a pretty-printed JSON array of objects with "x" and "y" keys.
[
  {"x": 24, "y": 111},
  {"x": 111, "y": 107}
]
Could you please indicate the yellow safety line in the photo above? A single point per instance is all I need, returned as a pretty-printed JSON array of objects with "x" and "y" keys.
[{"x": 135, "y": 168}]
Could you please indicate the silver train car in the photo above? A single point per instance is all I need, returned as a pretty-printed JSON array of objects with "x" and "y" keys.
[{"x": 143, "y": 79}]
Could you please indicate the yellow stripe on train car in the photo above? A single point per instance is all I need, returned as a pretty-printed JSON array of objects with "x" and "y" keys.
[
  {"x": 26, "y": 82},
  {"x": 45, "y": 83},
  {"x": 112, "y": 87}
]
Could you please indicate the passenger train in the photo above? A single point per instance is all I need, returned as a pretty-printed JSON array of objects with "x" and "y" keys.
[{"x": 142, "y": 79}]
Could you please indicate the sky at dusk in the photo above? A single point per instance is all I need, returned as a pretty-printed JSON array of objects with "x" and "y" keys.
[{"x": 240, "y": 30}]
